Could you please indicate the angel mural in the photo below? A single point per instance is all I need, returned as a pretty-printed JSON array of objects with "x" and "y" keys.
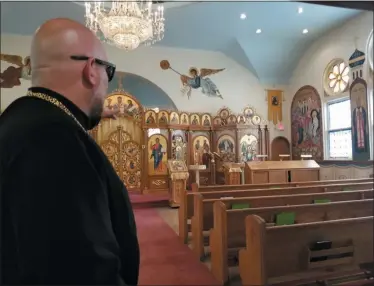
[
  {"x": 197, "y": 79},
  {"x": 12, "y": 75}
]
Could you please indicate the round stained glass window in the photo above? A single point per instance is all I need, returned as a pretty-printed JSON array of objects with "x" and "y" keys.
[{"x": 336, "y": 77}]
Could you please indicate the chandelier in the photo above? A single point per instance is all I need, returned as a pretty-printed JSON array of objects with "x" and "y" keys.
[{"x": 127, "y": 24}]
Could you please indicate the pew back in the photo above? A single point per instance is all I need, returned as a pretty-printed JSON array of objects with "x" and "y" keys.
[
  {"x": 186, "y": 209},
  {"x": 203, "y": 217},
  {"x": 215, "y": 188},
  {"x": 283, "y": 251},
  {"x": 228, "y": 234}
]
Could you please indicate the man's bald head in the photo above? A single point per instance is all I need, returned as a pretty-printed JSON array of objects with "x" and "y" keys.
[
  {"x": 57, "y": 39},
  {"x": 53, "y": 45}
]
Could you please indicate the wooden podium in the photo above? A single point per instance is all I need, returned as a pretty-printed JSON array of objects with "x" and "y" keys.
[
  {"x": 281, "y": 171},
  {"x": 232, "y": 173},
  {"x": 178, "y": 176}
]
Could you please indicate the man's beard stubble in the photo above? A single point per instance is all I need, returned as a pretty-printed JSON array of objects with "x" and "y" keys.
[{"x": 95, "y": 113}]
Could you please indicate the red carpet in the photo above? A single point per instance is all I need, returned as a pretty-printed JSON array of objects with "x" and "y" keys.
[
  {"x": 148, "y": 201},
  {"x": 164, "y": 260}
]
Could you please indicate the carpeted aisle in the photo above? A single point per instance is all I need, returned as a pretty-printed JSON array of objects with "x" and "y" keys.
[{"x": 164, "y": 259}]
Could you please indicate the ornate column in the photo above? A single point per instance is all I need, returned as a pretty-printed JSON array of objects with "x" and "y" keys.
[
  {"x": 170, "y": 132},
  {"x": 120, "y": 155},
  {"x": 259, "y": 143},
  {"x": 267, "y": 141},
  {"x": 144, "y": 182},
  {"x": 189, "y": 152},
  {"x": 237, "y": 146}
]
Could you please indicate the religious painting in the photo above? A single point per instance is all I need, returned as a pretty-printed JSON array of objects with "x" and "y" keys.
[
  {"x": 157, "y": 150},
  {"x": 163, "y": 117},
  {"x": 217, "y": 121},
  {"x": 226, "y": 148},
  {"x": 232, "y": 119},
  {"x": 248, "y": 112},
  {"x": 150, "y": 117},
  {"x": 174, "y": 118},
  {"x": 306, "y": 124},
  {"x": 201, "y": 150},
  {"x": 195, "y": 119},
  {"x": 206, "y": 121},
  {"x": 248, "y": 148},
  {"x": 177, "y": 166},
  {"x": 196, "y": 79},
  {"x": 256, "y": 120},
  {"x": 184, "y": 119},
  {"x": 360, "y": 125},
  {"x": 224, "y": 113},
  {"x": 241, "y": 119},
  {"x": 179, "y": 145},
  {"x": 125, "y": 104},
  {"x": 11, "y": 76}
]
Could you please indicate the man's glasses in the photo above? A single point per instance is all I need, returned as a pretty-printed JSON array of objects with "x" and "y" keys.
[{"x": 109, "y": 67}]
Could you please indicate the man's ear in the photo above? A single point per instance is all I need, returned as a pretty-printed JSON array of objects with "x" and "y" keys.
[{"x": 89, "y": 73}]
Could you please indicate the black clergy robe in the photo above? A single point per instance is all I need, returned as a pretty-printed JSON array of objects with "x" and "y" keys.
[{"x": 66, "y": 217}]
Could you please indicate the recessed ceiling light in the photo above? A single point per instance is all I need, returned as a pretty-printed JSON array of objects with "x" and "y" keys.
[
  {"x": 243, "y": 16},
  {"x": 258, "y": 31},
  {"x": 305, "y": 31},
  {"x": 300, "y": 10}
]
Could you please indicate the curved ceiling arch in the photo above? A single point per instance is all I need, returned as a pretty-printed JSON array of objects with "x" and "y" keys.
[{"x": 145, "y": 91}]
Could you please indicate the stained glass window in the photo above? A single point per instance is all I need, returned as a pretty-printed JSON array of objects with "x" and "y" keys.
[
  {"x": 339, "y": 130},
  {"x": 339, "y": 77}
]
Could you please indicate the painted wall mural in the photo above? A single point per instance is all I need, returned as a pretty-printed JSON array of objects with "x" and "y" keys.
[
  {"x": 125, "y": 103},
  {"x": 196, "y": 79},
  {"x": 11, "y": 76},
  {"x": 141, "y": 88},
  {"x": 306, "y": 121},
  {"x": 359, "y": 108},
  {"x": 157, "y": 163}
]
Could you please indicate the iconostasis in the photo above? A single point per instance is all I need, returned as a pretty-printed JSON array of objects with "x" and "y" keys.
[{"x": 141, "y": 141}]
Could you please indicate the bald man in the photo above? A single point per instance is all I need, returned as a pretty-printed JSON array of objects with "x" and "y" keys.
[{"x": 66, "y": 215}]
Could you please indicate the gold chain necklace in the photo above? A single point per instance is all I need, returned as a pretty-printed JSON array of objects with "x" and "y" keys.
[{"x": 57, "y": 103}]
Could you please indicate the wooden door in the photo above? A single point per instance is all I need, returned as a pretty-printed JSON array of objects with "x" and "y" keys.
[
  {"x": 124, "y": 154},
  {"x": 279, "y": 145}
]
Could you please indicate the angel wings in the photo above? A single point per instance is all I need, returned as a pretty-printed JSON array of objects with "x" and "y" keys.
[
  {"x": 11, "y": 76},
  {"x": 197, "y": 79}
]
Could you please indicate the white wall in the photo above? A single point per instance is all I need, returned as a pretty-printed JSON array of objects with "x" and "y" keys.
[
  {"x": 237, "y": 85},
  {"x": 339, "y": 43}
]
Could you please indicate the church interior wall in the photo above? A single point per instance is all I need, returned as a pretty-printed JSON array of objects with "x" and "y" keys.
[
  {"x": 237, "y": 85},
  {"x": 339, "y": 43}
]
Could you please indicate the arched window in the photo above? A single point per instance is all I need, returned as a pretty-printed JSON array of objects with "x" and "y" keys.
[{"x": 336, "y": 77}]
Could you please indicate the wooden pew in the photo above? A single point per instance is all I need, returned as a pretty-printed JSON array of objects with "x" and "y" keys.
[
  {"x": 228, "y": 233},
  {"x": 215, "y": 188},
  {"x": 202, "y": 219},
  {"x": 185, "y": 211},
  {"x": 282, "y": 252}
]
